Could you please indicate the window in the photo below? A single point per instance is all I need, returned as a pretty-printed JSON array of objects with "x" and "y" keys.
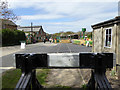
[{"x": 108, "y": 37}]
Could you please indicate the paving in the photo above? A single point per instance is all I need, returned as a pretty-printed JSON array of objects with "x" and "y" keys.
[{"x": 8, "y": 60}]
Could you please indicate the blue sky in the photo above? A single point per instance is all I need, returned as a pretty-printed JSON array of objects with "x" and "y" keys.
[{"x": 63, "y": 15}]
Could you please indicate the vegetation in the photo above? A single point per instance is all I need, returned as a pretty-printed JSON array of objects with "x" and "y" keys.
[
  {"x": 76, "y": 42},
  {"x": 12, "y": 37},
  {"x": 88, "y": 34},
  {"x": 6, "y": 13},
  {"x": 42, "y": 75},
  {"x": 11, "y": 77},
  {"x": 90, "y": 42},
  {"x": 112, "y": 73},
  {"x": 84, "y": 87},
  {"x": 60, "y": 86},
  {"x": 0, "y": 38},
  {"x": 82, "y": 42},
  {"x": 62, "y": 33}
]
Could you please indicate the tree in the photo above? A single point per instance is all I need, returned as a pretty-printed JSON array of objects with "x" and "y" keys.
[{"x": 6, "y": 13}]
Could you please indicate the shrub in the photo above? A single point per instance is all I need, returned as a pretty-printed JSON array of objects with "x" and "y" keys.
[
  {"x": 12, "y": 37},
  {"x": 0, "y": 38}
]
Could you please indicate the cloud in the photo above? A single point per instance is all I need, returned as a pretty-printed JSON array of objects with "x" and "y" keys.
[
  {"x": 69, "y": 10},
  {"x": 78, "y": 24},
  {"x": 34, "y": 3},
  {"x": 62, "y": 0},
  {"x": 44, "y": 16},
  {"x": 77, "y": 13}
]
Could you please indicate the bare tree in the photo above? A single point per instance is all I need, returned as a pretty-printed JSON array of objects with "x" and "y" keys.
[{"x": 6, "y": 13}]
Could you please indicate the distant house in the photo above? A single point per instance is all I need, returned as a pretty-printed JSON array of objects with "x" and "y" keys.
[
  {"x": 73, "y": 36},
  {"x": 70, "y": 36},
  {"x": 106, "y": 38},
  {"x": 7, "y": 24},
  {"x": 37, "y": 32}
]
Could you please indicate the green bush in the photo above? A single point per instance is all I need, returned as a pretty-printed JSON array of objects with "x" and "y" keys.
[
  {"x": 0, "y": 38},
  {"x": 89, "y": 42},
  {"x": 76, "y": 42},
  {"x": 12, "y": 37}
]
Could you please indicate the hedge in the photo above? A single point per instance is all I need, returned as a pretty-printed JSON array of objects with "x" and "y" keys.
[
  {"x": 12, "y": 37},
  {"x": 76, "y": 42}
]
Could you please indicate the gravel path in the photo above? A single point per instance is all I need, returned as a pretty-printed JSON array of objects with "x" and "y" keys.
[{"x": 74, "y": 78}]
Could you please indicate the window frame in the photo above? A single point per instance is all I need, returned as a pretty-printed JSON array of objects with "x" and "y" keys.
[{"x": 105, "y": 37}]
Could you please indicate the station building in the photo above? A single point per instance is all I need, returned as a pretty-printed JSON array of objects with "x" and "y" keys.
[
  {"x": 37, "y": 31},
  {"x": 106, "y": 38}
]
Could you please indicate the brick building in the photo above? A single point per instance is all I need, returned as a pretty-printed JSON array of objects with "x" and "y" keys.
[
  {"x": 7, "y": 24},
  {"x": 37, "y": 32}
]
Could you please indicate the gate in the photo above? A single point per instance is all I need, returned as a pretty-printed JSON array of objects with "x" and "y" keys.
[{"x": 97, "y": 62}]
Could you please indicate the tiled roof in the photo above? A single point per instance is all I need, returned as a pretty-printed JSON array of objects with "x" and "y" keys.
[
  {"x": 108, "y": 22},
  {"x": 7, "y": 22},
  {"x": 28, "y": 28}
]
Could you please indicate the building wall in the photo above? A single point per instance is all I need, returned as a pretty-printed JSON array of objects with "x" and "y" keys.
[
  {"x": 118, "y": 50},
  {"x": 99, "y": 41},
  {"x": 42, "y": 34},
  {"x": 113, "y": 47},
  {"x": 38, "y": 33},
  {"x": 118, "y": 37}
]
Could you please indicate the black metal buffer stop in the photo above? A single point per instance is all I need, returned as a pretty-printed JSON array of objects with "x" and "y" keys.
[{"x": 97, "y": 62}]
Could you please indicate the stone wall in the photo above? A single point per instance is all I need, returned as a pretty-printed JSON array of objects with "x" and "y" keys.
[
  {"x": 118, "y": 50},
  {"x": 99, "y": 42}
]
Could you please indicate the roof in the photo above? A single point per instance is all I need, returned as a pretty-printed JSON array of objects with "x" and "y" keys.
[
  {"x": 115, "y": 20},
  {"x": 8, "y": 22},
  {"x": 28, "y": 28}
]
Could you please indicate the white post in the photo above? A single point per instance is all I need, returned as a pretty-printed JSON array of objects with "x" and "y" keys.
[{"x": 22, "y": 45}]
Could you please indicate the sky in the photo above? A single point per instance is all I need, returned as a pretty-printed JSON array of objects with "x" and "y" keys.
[{"x": 63, "y": 15}]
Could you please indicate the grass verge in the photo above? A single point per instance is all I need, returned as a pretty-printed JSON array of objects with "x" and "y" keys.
[
  {"x": 11, "y": 77},
  {"x": 84, "y": 87}
]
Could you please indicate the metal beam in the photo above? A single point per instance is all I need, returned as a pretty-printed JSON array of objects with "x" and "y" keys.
[
  {"x": 98, "y": 62},
  {"x": 63, "y": 60},
  {"x": 67, "y": 60}
]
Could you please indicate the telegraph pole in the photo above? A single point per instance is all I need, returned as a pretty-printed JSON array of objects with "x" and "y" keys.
[
  {"x": 31, "y": 27},
  {"x": 31, "y": 32}
]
